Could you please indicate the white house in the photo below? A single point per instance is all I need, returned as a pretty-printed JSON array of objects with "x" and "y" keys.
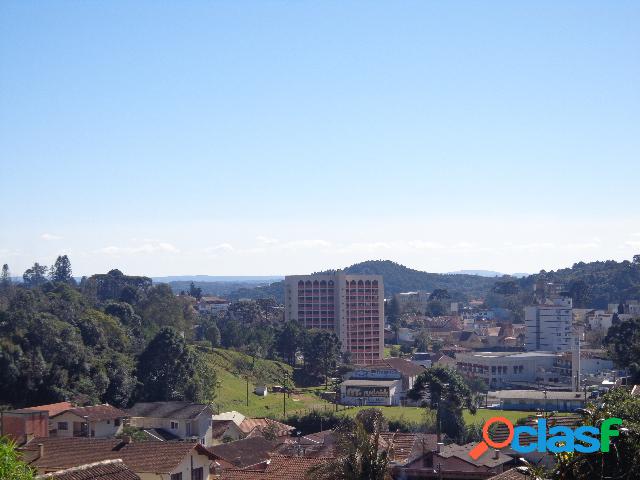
[
  {"x": 100, "y": 421},
  {"x": 174, "y": 420}
]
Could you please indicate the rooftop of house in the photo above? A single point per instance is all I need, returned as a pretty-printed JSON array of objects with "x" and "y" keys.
[
  {"x": 490, "y": 459},
  {"x": 320, "y": 444},
  {"x": 405, "y": 367},
  {"x": 173, "y": 410},
  {"x": 278, "y": 467},
  {"x": 105, "y": 470},
  {"x": 512, "y": 474},
  {"x": 96, "y": 413},
  {"x": 148, "y": 456},
  {"x": 236, "y": 417},
  {"x": 537, "y": 395},
  {"x": 52, "y": 408},
  {"x": 219, "y": 427},
  {"x": 279, "y": 429},
  {"x": 407, "y": 446},
  {"x": 358, "y": 383},
  {"x": 243, "y": 453}
]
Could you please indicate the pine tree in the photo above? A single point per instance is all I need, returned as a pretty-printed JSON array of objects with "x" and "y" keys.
[
  {"x": 5, "y": 277},
  {"x": 61, "y": 270}
]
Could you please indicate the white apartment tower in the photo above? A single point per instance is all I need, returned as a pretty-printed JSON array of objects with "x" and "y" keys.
[
  {"x": 352, "y": 306},
  {"x": 550, "y": 325}
]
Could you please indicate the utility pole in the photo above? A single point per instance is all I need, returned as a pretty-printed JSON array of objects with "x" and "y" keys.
[
  {"x": 247, "y": 390},
  {"x": 284, "y": 395}
]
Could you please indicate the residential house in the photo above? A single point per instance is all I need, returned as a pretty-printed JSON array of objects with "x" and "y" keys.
[
  {"x": 277, "y": 467},
  {"x": 243, "y": 453},
  {"x": 452, "y": 462},
  {"x": 230, "y": 426},
  {"x": 466, "y": 338},
  {"x": 150, "y": 460},
  {"x": 101, "y": 421},
  {"x": 174, "y": 420},
  {"x": 105, "y": 470},
  {"x": 518, "y": 473}
]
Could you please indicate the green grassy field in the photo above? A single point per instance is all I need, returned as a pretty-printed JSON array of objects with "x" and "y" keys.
[
  {"x": 414, "y": 414},
  {"x": 232, "y": 369}
]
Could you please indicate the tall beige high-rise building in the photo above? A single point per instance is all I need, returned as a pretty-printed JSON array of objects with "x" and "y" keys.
[{"x": 350, "y": 305}]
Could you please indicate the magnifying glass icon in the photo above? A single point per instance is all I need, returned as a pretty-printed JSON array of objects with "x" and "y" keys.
[{"x": 483, "y": 446}]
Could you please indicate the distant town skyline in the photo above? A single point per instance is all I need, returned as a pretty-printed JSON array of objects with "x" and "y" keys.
[{"x": 276, "y": 138}]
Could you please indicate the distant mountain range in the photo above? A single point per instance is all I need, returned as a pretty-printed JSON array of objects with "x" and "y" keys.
[{"x": 488, "y": 273}]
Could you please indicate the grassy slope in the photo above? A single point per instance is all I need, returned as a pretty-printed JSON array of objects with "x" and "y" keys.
[
  {"x": 414, "y": 414},
  {"x": 234, "y": 367}
]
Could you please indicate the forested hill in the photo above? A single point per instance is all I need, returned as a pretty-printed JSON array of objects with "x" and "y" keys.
[
  {"x": 397, "y": 278},
  {"x": 595, "y": 284}
]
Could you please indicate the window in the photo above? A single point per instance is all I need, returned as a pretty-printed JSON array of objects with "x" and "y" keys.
[
  {"x": 196, "y": 474},
  {"x": 176, "y": 476},
  {"x": 174, "y": 425},
  {"x": 116, "y": 422},
  {"x": 63, "y": 426}
]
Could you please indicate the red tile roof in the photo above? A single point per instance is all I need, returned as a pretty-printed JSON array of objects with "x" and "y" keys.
[
  {"x": 147, "y": 456},
  {"x": 280, "y": 467},
  {"x": 512, "y": 474},
  {"x": 52, "y": 408},
  {"x": 96, "y": 413},
  {"x": 106, "y": 470},
  {"x": 249, "y": 425}
]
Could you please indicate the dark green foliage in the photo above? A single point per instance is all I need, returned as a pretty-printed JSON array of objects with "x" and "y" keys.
[
  {"x": 623, "y": 342},
  {"x": 623, "y": 457},
  {"x": 317, "y": 421},
  {"x": 448, "y": 394},
  {"x": 506, "y": 287},
  {"x": 5, "y": 277},
  {"x": 61, "y": 270},
  {"x": 360, "y": 456},
  {"x": 35, "y": 276},
  {"x": 165, "y": 367},
  {"x": 321, "y": 353},
  {"x": 209, "y": 331},
  {"x": 115, "y": 285},
  {"x": 372, "y": 420},
  {"x": 289, "y": 340},
  {"x": 195, "y": 292},
  {"x": 60, "y": 342}
]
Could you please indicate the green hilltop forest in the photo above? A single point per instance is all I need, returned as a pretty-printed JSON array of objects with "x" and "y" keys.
[{"x": 591, "y": 285}]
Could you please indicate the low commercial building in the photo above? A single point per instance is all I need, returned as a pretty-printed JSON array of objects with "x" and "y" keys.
[
  {"x": 548, "y": 401},
  {"x": 509, "y": 369},
  {"x": 370, "y": 392}
]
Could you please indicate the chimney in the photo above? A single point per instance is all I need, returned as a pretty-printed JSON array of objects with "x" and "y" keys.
[
  {"x": 496, "y": 454},
  {"x": 439, "y": 446},
  {"x": 40, "y": 450},
  {"x": 127, "y": 439}
]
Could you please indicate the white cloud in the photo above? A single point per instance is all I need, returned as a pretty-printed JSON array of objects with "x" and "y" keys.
[
  {"x": 50, "y": 236},
  {"x": 310, "y": 243},
  {"x": 266, "y": 240},
  {"x": 221, "y": 247},
  {"x": 145, "y": 248},
  {"x": 369, "y": 247},
  {"x": 632, "y": 243},
  {"x": 423, "y": 245}
]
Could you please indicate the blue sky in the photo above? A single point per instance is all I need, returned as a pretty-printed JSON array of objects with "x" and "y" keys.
[{"x": 276, "y": 137}]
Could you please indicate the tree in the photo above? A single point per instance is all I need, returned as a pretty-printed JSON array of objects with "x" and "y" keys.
[
  {"x": 321, "y": 353},
  {"x": 195, "y": 292},
  {"x": 506, "y": 287},
  {"x": 360, "y": 456},
  {"x": 439, "y": 294},
  {"x": 11, "y": 464},
  {"x": 288, "y": 341},
  {"x": 623, "y": 342},
  {"x": 61, "y": 270},
  {"x": 166, "y": 368},
  {"x": 623, "y": 457},
  {"x": 210, "y": 331},
  {"x": 35, "y": 276},
  {"x": 422, "y": 340},
  {"x": 636, "y": 259},
  {"x": 435, "y": 308},
  {"x": 579, "y": 292},
  {"x": 372, "y": 419},
  {"x": 5, "y": 277},
  {"x": 448, "y": 394}
]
